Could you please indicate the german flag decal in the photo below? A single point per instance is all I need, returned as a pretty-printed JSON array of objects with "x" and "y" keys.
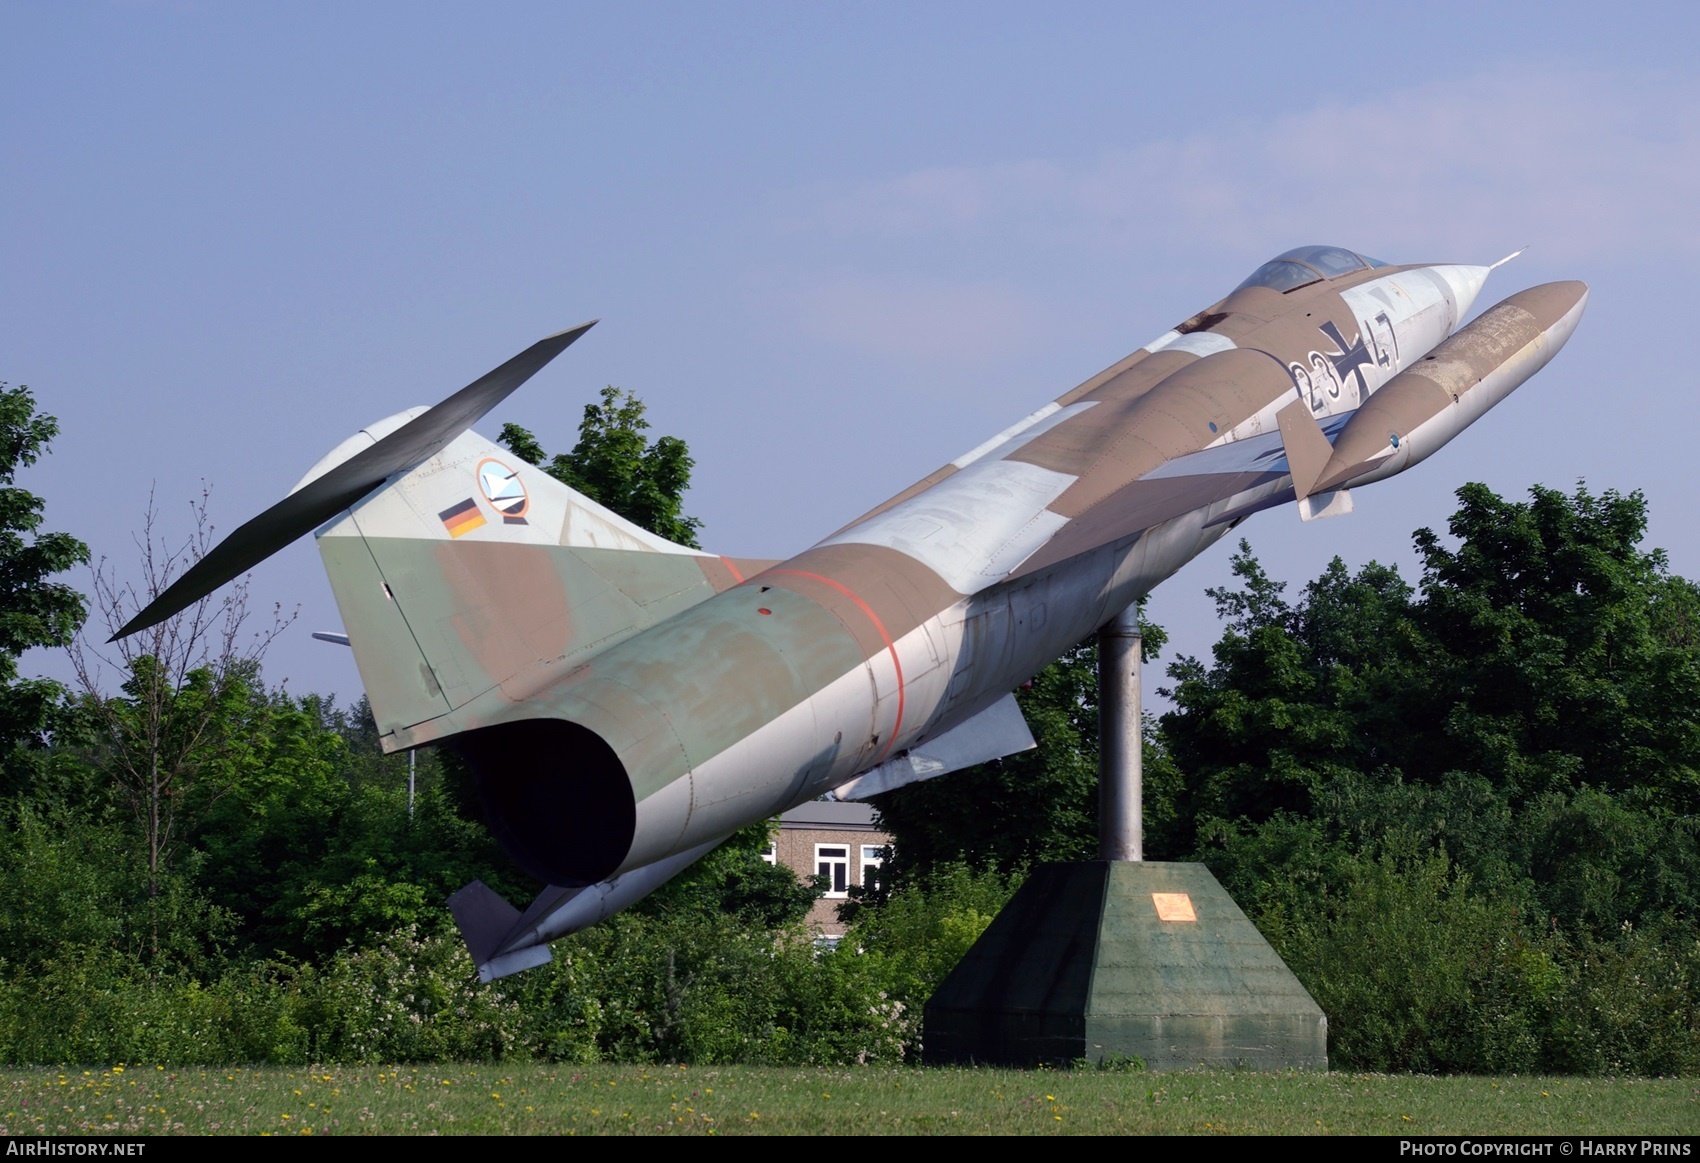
[{"x": 462, "y": 518}]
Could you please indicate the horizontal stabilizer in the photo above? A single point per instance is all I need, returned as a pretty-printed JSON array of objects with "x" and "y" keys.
[
  {"x": 995, "y": 732},
  {"x": 321, "y": 499}
]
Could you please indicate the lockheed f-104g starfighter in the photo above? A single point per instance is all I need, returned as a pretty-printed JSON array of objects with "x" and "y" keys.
[{"x": 626, "y": 703}]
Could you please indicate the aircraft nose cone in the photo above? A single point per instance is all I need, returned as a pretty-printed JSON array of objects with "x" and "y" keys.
[{"x": 1465, "y": 283}]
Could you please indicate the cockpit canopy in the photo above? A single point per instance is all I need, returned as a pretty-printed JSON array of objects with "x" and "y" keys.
[{"x": 1304, "y": 265}]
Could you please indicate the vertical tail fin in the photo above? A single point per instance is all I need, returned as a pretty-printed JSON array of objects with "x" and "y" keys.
[
  {"x": 458, "y": 567},
  {"x": 476, "y": 570}
]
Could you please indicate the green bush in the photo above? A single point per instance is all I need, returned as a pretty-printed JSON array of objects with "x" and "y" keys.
[
  {"x": 70, "y": 883},
  {"x": 410, "y": 999},
  {"x": 1417, "y": 973},
  {"x": 911, "y": 942},
  {"x": 701, "y": 988},
  {"x": 1631, "y": 1005},
  {"x": 1415, "y": 969}
]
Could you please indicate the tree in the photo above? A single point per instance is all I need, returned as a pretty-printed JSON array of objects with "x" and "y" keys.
[
  {"x": 1568, "y": 652},
  {"x": 615, "y": 465},
  {"x": 1529, "y": 708},
  {"x": 187, "y": 686},
  {"x": 311, "y": 842},
  {"x": 35, "y": 611},
  {"x": 1298, "y": 695}
]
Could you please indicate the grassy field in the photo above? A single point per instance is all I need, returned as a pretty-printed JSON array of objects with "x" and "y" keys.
[{"x": 591, "y": 1100}]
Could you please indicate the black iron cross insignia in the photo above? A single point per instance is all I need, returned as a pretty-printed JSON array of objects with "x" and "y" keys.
[{"x": 1349, "y": 360}]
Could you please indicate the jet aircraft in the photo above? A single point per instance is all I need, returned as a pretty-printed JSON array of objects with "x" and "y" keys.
[{"x": 626, "y": 703}]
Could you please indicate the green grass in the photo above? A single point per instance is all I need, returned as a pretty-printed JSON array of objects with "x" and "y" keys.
[{"x": 555, "y": 1099}]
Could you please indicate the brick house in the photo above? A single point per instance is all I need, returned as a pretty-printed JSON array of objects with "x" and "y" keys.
[{"x": 835, "y": 840}]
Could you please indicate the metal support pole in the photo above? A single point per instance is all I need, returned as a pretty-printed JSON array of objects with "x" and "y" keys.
[
  {"x": 1120, "y": 749},
  {"x": 411, "y": 757}
]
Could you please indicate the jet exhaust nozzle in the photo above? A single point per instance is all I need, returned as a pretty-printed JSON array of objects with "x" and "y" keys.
[{"x": 555, "y": 794}]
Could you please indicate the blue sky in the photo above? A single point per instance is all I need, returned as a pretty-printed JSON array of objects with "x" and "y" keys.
[{"x": 832, "y": 246}]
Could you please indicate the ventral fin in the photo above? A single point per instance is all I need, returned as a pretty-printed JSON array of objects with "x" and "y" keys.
[{"x": 1307, "y": 448}]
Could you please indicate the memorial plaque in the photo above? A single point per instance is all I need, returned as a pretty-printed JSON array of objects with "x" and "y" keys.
[{"x": 1173, "y": 906}]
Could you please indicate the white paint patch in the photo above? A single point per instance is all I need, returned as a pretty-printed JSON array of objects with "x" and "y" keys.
[
  {"x": 974, "y": 527},
  {"x": 1401, "y": 318},
  {"x": 1009, "y": 433},
  {"x": 1200, "y": 343},
  {"x": 1025, "y": 542},
  {"x": 1019, "y": 433}
]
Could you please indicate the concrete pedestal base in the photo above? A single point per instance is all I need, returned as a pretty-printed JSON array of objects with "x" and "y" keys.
[{"x": 1098, "y": 959}]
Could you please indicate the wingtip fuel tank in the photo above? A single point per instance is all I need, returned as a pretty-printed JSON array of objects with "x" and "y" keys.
[{"x": 1422, "y": 408}]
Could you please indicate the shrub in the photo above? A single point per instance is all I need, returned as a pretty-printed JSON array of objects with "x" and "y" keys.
[
  {"x": 412, "y": 998},
  {"x": 1630, "y": 1005},
  {"x": 707, "y": 989},
  {"x": 1417, "y": 973},
  {"x": 911, "y": 942}
]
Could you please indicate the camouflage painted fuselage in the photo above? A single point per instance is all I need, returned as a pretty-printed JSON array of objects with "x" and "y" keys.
[{"x": 622, "y": 703}]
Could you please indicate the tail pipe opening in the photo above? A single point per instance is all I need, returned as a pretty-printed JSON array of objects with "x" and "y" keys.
[{"x": 556, "y": 795}]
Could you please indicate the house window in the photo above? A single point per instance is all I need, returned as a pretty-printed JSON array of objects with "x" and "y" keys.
[
  {"x": 833, "y": 862},
  {"x": 873, "y": 855},
  {"x": 770, "y": 854}
]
